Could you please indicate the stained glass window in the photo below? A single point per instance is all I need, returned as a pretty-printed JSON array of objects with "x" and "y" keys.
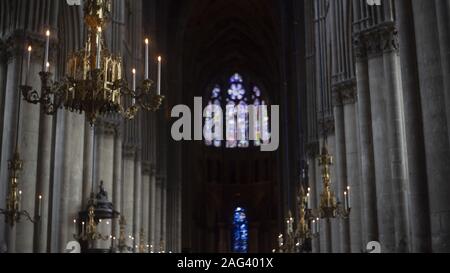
[
  {"x": 240, "y": 231},
  {"x": 235, "y": 102}
]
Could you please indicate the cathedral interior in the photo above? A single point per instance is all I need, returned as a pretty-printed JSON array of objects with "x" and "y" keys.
[{"x": 351, "y": 98}]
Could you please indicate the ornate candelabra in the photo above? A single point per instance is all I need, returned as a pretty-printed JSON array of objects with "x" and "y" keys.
[
  {"x": 329, "y": 207},
  {"x": 297, "y": 240},
  {"x": 94, "y": 83},
  {"x": 122, "y": 245},
  {"x": 13, "y": 212}
]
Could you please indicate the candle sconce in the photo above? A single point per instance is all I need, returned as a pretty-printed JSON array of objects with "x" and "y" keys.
[
  {"x": 13, "y": 212},
  {"x": 329, "y": 207}
]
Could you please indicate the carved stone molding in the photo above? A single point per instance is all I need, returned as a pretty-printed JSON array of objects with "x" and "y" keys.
[
  {"x": 146, "y": 167},
  {"x": 326, "y": 126},
  {"x": 345, "y": 93},
  {"x": 129, "y": 151},
  {"x": 374, "y": 42}
]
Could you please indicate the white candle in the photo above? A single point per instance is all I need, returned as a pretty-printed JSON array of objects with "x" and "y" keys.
[
  {"x": 20, "y": 201},
  {"x": 349, "y": 198},
  {"x": 314, "y": 226},
  {"x": 40, "y": 206},
  {"x": 27, "y": 75},
  {"x": 280, "y": 240},
  {"x": 75, "y": 226},
  {"x": 82, "y": 228},
  {"x": 308, "y": 200},
  {"x": 47, "y": 48},
  {"x": 345, "y": 200},
  {"x": 159, "y": 75},
  {"x": 99, "y": 47},
  {"x": 134, "y": 85},
  {"x": 146, "y": 58},
  {"x": 318, "y": 225}
]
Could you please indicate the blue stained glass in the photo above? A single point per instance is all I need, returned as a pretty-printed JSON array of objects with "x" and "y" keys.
[
  {"x": 240, "y": 231},
  {"x": 234, "y": 103}
]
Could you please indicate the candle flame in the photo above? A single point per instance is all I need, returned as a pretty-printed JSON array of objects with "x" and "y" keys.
[
  {"x": 47, "y": 64},
  {"x": 134, "y": 71},
  {"x": 29, "y": 48},
  {"x": 99, "y": 29},
  {"x": 74, "y": 221},
  {"x": 20, "y": 192},
  {"x": 47, "y": 33},
  {"x": 146, "y": 41},
  {"x": 345, "y": 193},
  {"x": 159, "y": 58},
  {"x": 40, "y": 196}
]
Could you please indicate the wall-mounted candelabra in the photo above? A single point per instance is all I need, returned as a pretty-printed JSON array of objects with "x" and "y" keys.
[{"x": 94, "y": 83}]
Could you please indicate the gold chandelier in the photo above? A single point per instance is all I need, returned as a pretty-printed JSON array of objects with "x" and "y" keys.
[{"x": 94, "y": 83}]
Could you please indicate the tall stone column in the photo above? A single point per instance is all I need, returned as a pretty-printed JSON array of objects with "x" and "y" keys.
[
  {"x": 104, "y": 168},
  {"x": 366, "y": 156},
  {"x": 312, "y": 179},
  {"x": 3, "y": 186},
  {"x": 418, "y": 198},
  {"x": 396, "y": 137},
  {"x": 164, "y": 213},
  {"x": 117, "y": 179},
  {"x": 351, "y": 148},
  {"x": 129, "y": 153},
  {"x": 152, "y": 239},
  {"x": 137, "y": 220},
  {"x": 88, "y": 157},
  {"x": 437, "y": 150},
  {"x": 146, "y": 201},
  {"x": 341, "y": 165},
  {"x": 71, "y": 185},
  {"x": 385, "y": 211},
  {"x": 158, "y": 213},
  {"x": 443, "y": 22},
  {"x": 28, "y": 149}
]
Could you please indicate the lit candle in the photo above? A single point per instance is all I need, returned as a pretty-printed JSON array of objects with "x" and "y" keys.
[
  {"x": 134, "y": 85},
  {"x": 20, "y": 201},
  {"x": 146, "y": 59},
  {"x": 47, "y": 66},
  {"x": 280, "y": 240},
  {"x": 47, "y": 47},
  {"x": 308, "y": 200},
  {"x": 82, "y": 228},
  {"x": 75, "y": 226},
  {"x": 318, "y": 225},
  {"x": 159, "y": 75},
  {"x": 349, "y": 198},
  {"x": 314, "y": 226},
  {"x": 99, "y": 47},
  {"x": 345, "y": 200},
  {"x": 40, "y": 206},
  {"x": 27, "y": 75}
]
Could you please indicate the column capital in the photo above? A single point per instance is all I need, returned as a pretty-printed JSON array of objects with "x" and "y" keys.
[
  {"x": 146, "y": 167},
  {"x": 375, "y": 41},
  {"x": 326, "y": 126},
  {"x": 129, "y": 151},
  {"x": 345, "y": 93}
]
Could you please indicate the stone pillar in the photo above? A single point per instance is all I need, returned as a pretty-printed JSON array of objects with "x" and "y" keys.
[
  {"x": 129, "y": 152},
  {"x": 164, "y": 212},
  {"x": 137, "y": 220},
  {"x": 351, "y": 148},
  {"x": 43, "y": 182},
  {"x": 88, "y": 156},
  {"x": 396, "y": 137},
  {"x": 28, "y": 149},
  {"x": 443, "y": 22},
  {"x": 366, "y": 156},
  {"x": 437, "y": 150},
  {"x": 71, "y": 184},
  {"x": 341, "y": 166},
  {"x": 418, "y": 198},
  {"x": 104, "y": 162},
  {"x": 152, "y": 238},
  {"x": 386, "y": 215},
  {"x": 3, "y": 186},
  {"x": 158, "y": 214},
  {"x": 117, "y": 179},
  {"x": 312, "y": 179},
  {"x": 146, "y": 201}
]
